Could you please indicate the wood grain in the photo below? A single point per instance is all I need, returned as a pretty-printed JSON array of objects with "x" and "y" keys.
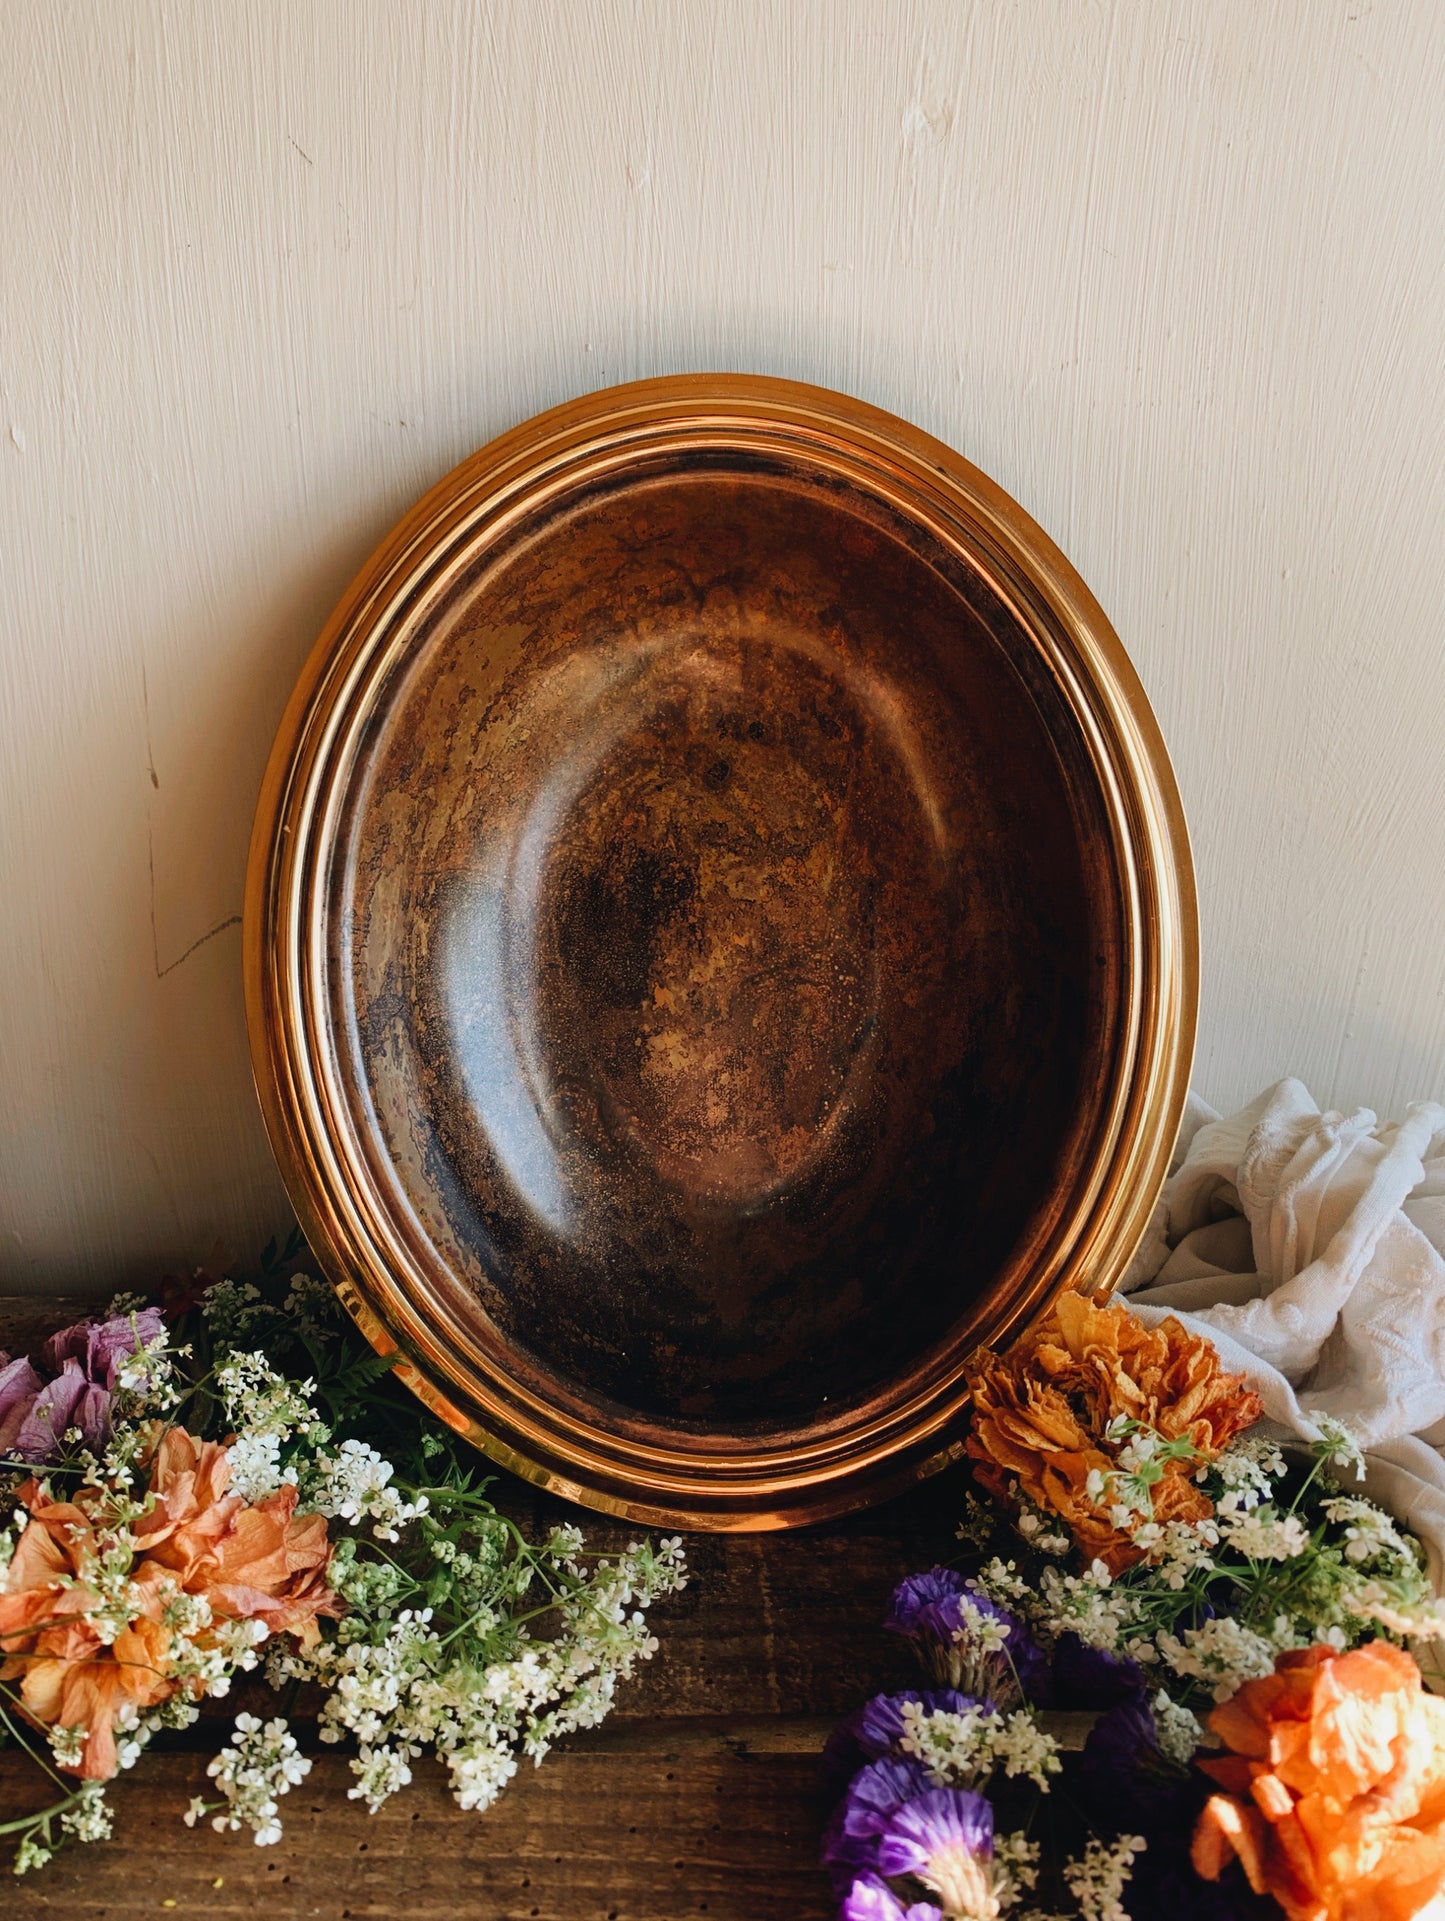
[
  {"x": 1172, "y": 274},
  {"x": 700, "y": 1796}
]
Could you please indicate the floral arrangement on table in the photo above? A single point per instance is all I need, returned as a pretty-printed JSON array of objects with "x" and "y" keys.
[
  {"x": 237, "y": 1484},
  {"x": 1234, "y": 1616}
]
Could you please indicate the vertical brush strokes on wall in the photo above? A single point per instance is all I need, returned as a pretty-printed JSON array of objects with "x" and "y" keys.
[{"x": 1174, "y": 274}]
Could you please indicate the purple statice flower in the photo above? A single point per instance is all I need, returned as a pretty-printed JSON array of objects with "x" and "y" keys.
[
  {"x": 870, "y": 1899},
  {"x": 851, "y": 1844},
  {"x": 876, "y": 1728},
  {"x": 880, "y": 1721},
  {"x": 83, "y": 1363},
  {"x": 1125, "y": 1765},
  {"x": 943, "y": 1837},
  {"x": 1127, "y": 1782},
  {"x": 926, "y": 1603},
  {"x": 968, "y": 1641},
  {"x": 1089, "y": 1677}
]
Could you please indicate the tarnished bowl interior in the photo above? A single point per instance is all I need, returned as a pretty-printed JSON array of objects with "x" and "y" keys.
[
  {"x": 714, "y": 954},
  {"x": 722, "y": 948}
]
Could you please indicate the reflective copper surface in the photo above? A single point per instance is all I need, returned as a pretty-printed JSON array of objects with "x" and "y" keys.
[{"x": 720, "y": 945}]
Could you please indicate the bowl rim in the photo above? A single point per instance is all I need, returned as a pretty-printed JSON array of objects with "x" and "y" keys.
[{"x": 737, "y": 1482}]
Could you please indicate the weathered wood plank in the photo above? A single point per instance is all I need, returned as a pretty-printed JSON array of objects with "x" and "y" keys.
[{"x": 587, "y": 1837}]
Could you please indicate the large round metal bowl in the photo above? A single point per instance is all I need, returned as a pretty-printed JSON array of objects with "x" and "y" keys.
[{"x": 720, "y": 946}]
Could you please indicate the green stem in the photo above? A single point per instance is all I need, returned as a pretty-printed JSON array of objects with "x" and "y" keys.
[
  {"x": 42, "y": 1818},
  {"x": 38, "y": 1758}
]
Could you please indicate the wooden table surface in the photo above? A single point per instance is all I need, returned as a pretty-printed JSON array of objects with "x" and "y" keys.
[{"x": 698, "y": 1797}]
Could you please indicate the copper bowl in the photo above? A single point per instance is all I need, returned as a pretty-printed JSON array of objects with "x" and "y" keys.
[{"x": 720, "y": 946}]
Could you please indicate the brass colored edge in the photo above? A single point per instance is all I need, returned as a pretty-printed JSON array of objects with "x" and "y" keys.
[{"x": 751, "y": 1489}]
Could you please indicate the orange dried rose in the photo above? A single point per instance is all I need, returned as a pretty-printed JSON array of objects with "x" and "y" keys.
[
  {"x": 256, "y": 1562},
  {"x": 1335, "y": 1787},
  {"x": 1040, "y": 1415},
  {"x": 251, "y": 1563}
]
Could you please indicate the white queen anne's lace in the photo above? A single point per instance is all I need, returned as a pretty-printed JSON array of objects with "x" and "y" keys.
[
  {"x": 434, "y": 1650},
  {"x": 1098, "y": 1877},
  {"x": 259, "y": 1765},
  {"x": 400, "y": 1687}
]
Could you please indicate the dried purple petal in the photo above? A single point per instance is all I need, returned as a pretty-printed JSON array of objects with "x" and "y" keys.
[
  {"x": 51, "y": 1413},
  {"x": 19, "y": 1385},
  {"x": 870, "y": 1899},
  {"x": 943, "y": 1837}
]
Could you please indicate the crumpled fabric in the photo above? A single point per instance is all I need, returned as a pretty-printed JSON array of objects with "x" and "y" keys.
[{"x": 1310, "y": 1247}]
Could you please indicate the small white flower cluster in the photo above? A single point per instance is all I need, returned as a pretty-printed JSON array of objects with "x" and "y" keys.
[
  {"x": 401, "y": 1687},
  {"x": 123, "y": 1305},
  {"x": 1261, "y": 1532},
  {"x": 1248, "y": 1468},
  {"x": 962, "y": 1749},
  {"x": 1016, "y": 1867},
  {"x": 1097, "y": 1878},
  {"x": 1370, "y": 1534},
  {"x": 148, "y": 1373},
  {"x": 88, "y": 1817},
  {"x": 979, "y": 1629},
  {"x": 1090, "y": 1605},
  {"x": 67, "y": 1744},
  {"x": 1180, "y": 1550},
  {"x": 1126, "y": 1491},
  {"x": 256, "y": 1469},
  {"x": 979, "y": 1523},
  {"x": 1000, "y": 1581},
  {"x": 259, "y": 1765},
  {"x": 1337, "y": 1444},
  {"x": 1178, "y": 1730},
  {"x": 1413, "y": 1619},
  {"x": 83, "y": 1816},
  {"x": 232, "y": 1310},
  {"x": 262, "y": 1401},
  {"x": 1224, "y": 1654},
  {"x": 354, "y": 1484},
  {"x": 310, "y": 1305}
]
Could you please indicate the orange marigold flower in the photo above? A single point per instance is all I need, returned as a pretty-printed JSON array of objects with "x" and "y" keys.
[
  {"x": 1041, "y": 1414},
  {"x": 249, "y": 1563},
  {"x": 1335, "y": 1787}
]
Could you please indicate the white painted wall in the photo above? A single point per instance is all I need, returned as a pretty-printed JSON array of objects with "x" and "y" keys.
[{"x": 1173, "y": 273}]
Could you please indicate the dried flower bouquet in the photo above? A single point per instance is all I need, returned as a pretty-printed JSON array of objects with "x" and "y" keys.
[
  {"x": 1236, "y": 1618},
  {"x": 238, "y": 1484}
]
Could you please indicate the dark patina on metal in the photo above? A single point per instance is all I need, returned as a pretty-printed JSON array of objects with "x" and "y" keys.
[{"x": 709, "y": 967}]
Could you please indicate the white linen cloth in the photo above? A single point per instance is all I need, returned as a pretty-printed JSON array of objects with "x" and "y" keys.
[{"x": 1310, "y": 1247}]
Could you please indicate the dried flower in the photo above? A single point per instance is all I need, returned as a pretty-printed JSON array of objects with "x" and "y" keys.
[
  {"x": 850, "y": 1846},
  {"x": 968, "y": 1640},
  {"x": 870, "y": 1899},
  {"x": 1097, "y": 1878},
  {"x": 111, "y": 1606},
  {"x": 1104, "y": 1422},
  {"x": 943, "y": 1837},
  {"x": 84, "y": 1366},
  {"x": 177, "y": 1554},
  {"x": 257, "y": 1766},
  {"x": 1335, "y": 1787}
]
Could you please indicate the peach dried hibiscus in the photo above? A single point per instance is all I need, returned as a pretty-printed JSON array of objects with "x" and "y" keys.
[
  {"x": 94, "y": 1623},
  {"x": 1041, "y": 1415},
  {"x": 1335, "y": 1789}
]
